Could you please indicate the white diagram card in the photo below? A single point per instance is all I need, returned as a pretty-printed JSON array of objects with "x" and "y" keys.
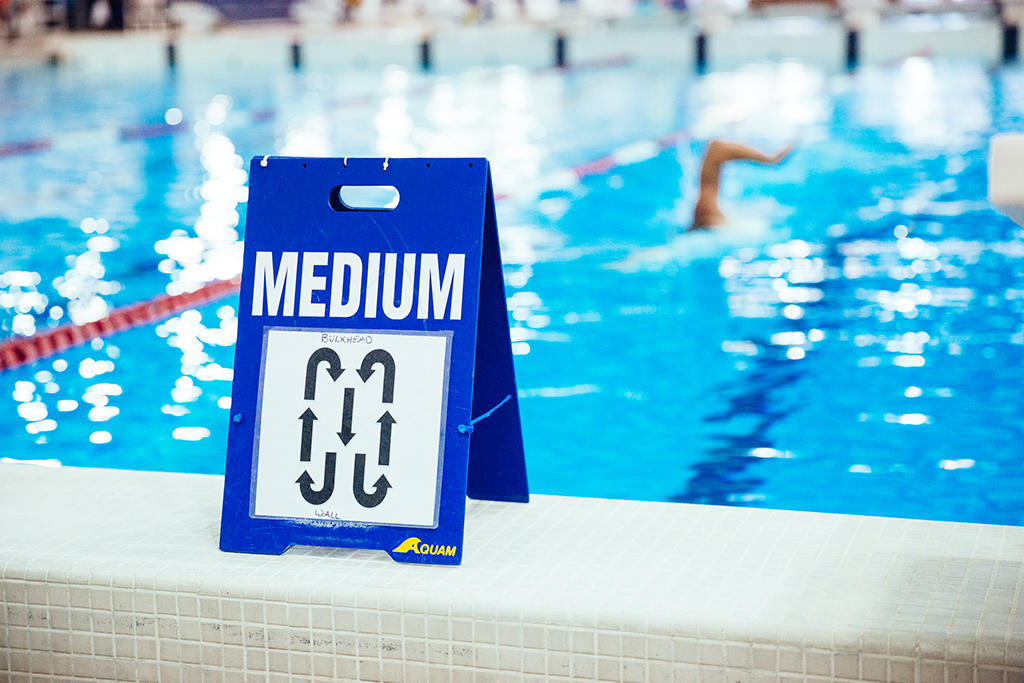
[{"x": 351, "y": 426}]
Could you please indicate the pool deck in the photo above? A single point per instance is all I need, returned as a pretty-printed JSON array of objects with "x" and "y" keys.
[
  {"x": 116, "y": 575},
  {"x": 665, "y": 42}
]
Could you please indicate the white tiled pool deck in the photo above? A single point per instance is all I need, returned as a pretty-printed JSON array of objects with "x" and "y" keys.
[{"x": 117, "y": 575}]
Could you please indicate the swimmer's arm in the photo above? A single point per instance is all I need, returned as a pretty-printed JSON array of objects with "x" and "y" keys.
[{"x": 732, "y": 151}]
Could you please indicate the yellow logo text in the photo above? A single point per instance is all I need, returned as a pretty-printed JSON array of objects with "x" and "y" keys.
[{"x": 414, "y": 545}]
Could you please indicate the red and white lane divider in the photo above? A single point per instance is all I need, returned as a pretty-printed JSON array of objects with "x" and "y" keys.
[
  {"x": 632, "y": 153},
  {"x": 22, "y": 350}
]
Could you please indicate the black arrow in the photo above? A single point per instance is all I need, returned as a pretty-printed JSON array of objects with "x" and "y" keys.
[
  {"x": 346, "y": 433},
  {"x": 384, "y": 454},
  {"x": 380, "y": 488},
  {"x": 307, "y": 418},
  {"x": 305, "y": 483},
  {"x": 384, "y": 358},
  {"x": 334, "y": 369}
]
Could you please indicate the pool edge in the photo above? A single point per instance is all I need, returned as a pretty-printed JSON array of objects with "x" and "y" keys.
[{"x": 116, "y": 574}]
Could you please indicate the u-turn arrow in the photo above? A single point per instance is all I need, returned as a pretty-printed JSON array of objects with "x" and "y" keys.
[
  {"x": 384, "y": 359},
  {"x": 334, "y": 369},
  {"x": 380, "y": 488},
  {"x": 305, "y": 483}
]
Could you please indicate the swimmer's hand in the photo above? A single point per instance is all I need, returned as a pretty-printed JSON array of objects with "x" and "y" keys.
[{"x": 784, "y": 152}]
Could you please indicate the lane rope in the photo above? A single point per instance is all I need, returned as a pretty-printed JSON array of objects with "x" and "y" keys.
[
  {"x": 146, "y": 131},
  {"x": 22, "y": 350}
]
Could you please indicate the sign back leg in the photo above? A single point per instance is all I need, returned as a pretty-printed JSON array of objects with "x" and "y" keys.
[{"x": 497, "y": 463}]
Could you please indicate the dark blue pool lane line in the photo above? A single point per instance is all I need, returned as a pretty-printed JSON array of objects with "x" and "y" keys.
[
  {"x": 147, "y": 131},
  {"x": 27, "y": 147},
  {"x": 150, "y": 130}
]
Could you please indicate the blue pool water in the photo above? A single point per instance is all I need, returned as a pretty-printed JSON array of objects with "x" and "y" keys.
[{"x": 852, "y": 343}]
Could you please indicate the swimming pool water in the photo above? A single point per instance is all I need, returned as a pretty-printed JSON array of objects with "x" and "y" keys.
[{"x": 852, "y": 342}]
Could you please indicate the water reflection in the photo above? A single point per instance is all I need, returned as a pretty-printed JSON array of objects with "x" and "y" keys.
[
  {"x": 725, "y": 474},
  {"x": 213, "y": 250},
  {"x": 191, "y": 336}
]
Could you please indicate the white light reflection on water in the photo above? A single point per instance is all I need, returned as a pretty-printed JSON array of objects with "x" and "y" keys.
[
  {"x": 523, "y": 246},
  {"x": 45, "y": 462},
  {"x": 102, "y": 413},
  {"x": 19, "y": 291},
  {"x": 190, "y": 336},
  {"x": 174, "y": 409},
  {"x": 173, "y": 116},
  {"x": 492, "y": 113},
  {"x": 958, "y": 464},
  {"x": 100, "y": 437},
  {"x": 782, "y": 98},
  {"x": 212, "y": 251},
  {"x": 90, "y": 367},
  {"x": 23, "y": 391},
  {"x": 32, "y": 411},
  {"x": 923, "y": 110},
  {"x": 190, "y": 433},
  {"x": 307, "y": 135},
  {"x": 765, "y": 452}
]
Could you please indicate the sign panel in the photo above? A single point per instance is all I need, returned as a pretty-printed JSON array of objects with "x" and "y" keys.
[
  {"x": 371, "y": 345},
  {"x": 316, "y": 387}
]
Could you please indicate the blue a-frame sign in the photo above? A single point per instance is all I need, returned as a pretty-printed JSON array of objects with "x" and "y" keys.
[{"x": 370, "y": 344}]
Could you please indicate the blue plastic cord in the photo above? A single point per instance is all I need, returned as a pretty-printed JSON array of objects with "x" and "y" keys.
[{"x": 468, "y": 429}]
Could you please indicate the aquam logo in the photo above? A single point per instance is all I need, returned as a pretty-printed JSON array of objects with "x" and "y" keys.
[{"x": 414, "y": 545}]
